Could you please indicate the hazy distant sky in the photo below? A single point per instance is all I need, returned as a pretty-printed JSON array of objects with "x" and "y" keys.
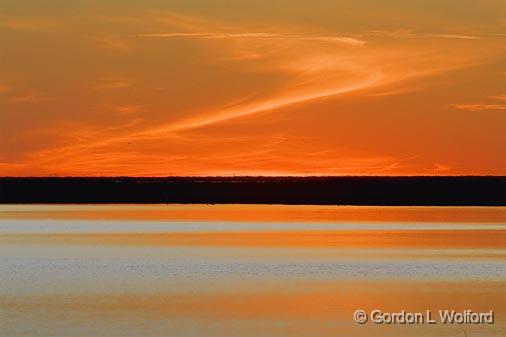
[{"x": 252, "y": 87}]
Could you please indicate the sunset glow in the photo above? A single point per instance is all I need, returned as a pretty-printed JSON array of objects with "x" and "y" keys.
[{"x": 159, "y": 88}]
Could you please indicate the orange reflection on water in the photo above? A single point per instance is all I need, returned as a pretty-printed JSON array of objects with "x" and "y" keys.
[
  {"x": 338, "y": 239},
  {"x": 311, "y": 309},
  {"x": 82, "y": 278},
  {"x": 261, "y": 213}
]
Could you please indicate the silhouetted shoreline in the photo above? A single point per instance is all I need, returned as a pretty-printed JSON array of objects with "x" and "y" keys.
[{"x": 391, "y": 191}]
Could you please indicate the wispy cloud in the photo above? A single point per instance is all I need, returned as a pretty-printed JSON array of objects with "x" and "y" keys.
[
  {"x": 454, "y": 36},
  {"x": 260, "y": 36},
  {"x": 397, "y": 91},
  {"x": 478, "y": 107},
  {"x": 413, "y": 33},
  {"x": 279, "y": 102},
  {"x": 482, "y": 106},
  {"x": 317, "y": 73},
  {"x": 500, "y": 97}
]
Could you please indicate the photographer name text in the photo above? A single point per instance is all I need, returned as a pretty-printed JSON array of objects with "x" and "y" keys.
[{"x": 446, "y": 316}]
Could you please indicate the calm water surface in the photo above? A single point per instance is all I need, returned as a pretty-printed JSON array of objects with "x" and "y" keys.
[{"x": 161, "y": 270}]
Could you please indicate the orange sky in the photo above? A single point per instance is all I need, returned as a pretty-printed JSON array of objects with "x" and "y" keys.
[{"x": 252, "y": 87}]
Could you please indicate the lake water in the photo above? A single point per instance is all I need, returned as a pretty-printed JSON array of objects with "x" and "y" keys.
[{"x": 247, "y": 270}]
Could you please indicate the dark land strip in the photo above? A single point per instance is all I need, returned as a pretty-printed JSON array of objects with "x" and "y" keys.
[{"x": 426, "y": 191}]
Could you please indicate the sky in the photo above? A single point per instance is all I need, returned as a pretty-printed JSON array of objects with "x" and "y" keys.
[{"x": 252, "y": 87}]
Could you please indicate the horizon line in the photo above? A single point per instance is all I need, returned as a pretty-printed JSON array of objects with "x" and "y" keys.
[{"x": 264, "y": 176}]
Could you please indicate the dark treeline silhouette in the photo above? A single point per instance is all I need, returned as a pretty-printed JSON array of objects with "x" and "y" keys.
[{"x": 423, "y": 190}]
